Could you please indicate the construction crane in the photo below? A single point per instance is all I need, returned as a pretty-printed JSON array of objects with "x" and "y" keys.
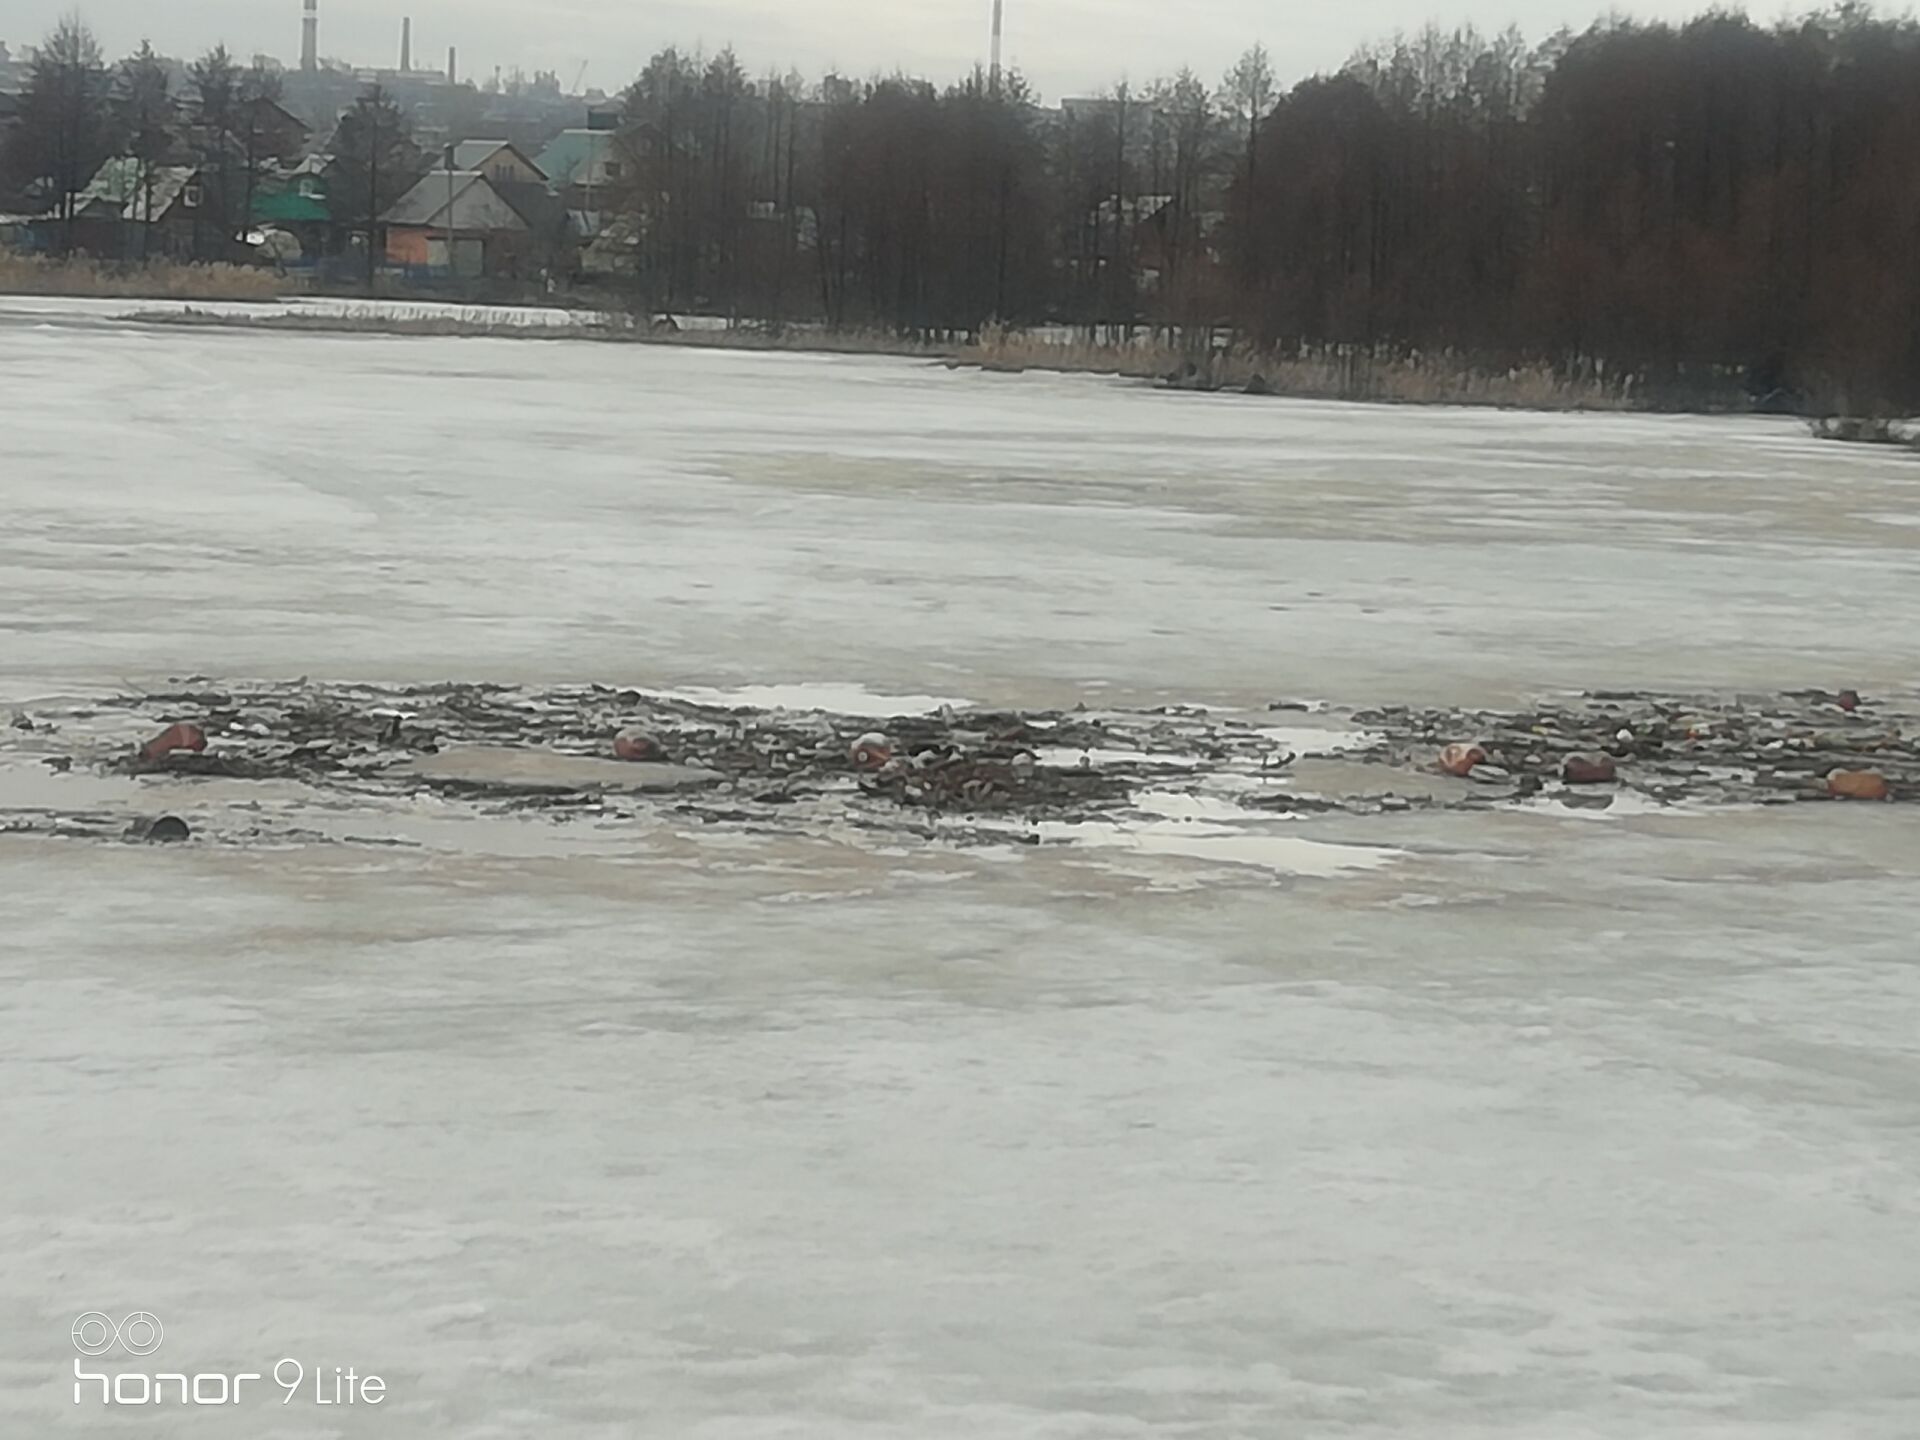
[{"x": 578, "y": 78}]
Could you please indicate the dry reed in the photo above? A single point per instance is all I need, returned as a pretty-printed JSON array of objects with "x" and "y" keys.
[
  {"x": 160, "y": 280},
  {"x": 1334, "y": 374},
  {"x": 1414, "y": 379}
]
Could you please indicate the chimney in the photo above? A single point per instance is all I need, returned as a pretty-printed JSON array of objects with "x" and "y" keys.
[
  {"x": 310, "y": 37},
  {"x": 999, "y": 15},
  {"x": 406, "y": 45},
  {"x": 453, "y": 65}
]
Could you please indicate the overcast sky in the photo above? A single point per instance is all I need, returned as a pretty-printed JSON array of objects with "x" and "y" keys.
[{"x": 1065, "y": 46}]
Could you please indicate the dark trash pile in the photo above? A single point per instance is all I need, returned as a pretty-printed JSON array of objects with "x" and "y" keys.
[
  {"x": 606, "y": 752},
  {"x": 1773, "y": 749},
  {"x": 972, "y": 760}
]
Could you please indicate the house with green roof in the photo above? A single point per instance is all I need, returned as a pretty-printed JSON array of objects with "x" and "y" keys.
[
  {"x": 586, "y": 166},
  {"x": 294, "y": 203},
  {"x": 132, "y": 209}
]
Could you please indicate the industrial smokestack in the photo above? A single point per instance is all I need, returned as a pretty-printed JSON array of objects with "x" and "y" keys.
[
  {"x": 406, "y": 45},
  {"x": 453, "y": 65},
  {"x": 310, "y": 37},
  {"x": 999, "y": 8}
]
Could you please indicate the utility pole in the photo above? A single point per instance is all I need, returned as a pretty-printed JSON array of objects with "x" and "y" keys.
[
  {"x": 452, "y": 270},
  {"x": 373, "y": 186}
]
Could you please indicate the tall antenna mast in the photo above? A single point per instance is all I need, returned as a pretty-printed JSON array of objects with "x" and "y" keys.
[{"x": 999, "y": 10}]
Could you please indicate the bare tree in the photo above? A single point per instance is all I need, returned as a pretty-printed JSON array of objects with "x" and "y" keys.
[{"x": 1247, "y": 94}]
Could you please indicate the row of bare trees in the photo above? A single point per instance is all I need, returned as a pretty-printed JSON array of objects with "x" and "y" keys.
[
  {"x": 1667, "y": 201},
  {"x": 1686, "y": 203},
  {"x": 896, "y": 203}
]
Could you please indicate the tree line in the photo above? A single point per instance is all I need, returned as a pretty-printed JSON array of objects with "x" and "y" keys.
[
  {"x": 1682, "y": 203},
  {"x": 1690, "y": 204}
]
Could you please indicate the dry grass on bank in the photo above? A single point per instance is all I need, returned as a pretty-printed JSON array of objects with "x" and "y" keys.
[
  {"x": 1327, "y": 375},
  {"x": 1867, "y": 430},
  {"x": 478, "y": 322},
  {"x": 161, "y": 280},
  {"x": 810, "y": 339},
  {"x": 398, "y": 321},
  {"x": 1330, "y": 375}
]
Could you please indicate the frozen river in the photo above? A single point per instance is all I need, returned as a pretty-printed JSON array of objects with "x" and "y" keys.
[{"x": 1553, "y": 1126}]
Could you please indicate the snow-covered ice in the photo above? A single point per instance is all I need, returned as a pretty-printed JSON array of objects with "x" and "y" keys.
[{"x": 1453, "y": 1125}]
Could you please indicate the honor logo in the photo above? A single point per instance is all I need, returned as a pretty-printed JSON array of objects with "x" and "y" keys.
[
  {"x": 96, "y": 1334},
  {"x": 140, "y": 1333}
]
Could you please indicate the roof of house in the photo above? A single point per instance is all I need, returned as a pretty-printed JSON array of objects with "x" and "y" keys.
[
  {"x": 544, "y": 211},
  {"x": 1134, "y": 211},
  {"x": 276, "y": 112},
  {"x": 475, "y": 154},
  {"x": 290, "y": 207},
  {"x": 121, "y": 184},
  {"x": 565, "y": 160},
  {"x": 475, "y": 204}
]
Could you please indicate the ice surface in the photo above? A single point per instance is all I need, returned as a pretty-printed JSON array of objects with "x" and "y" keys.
[
  {"x": 407, "y": 508},
  {"x": 1529, "y": 1128}
]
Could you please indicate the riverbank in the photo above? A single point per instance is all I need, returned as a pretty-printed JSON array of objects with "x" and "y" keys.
[
  {"x": 1330, "y": 375},
  {"x": 444, "y": 321},
  {"x": 1161, "y": 356},
  {"x": 97, "y": 279}
]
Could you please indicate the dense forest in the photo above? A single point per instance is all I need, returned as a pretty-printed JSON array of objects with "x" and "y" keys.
[{"x": 1686, "y": 204}]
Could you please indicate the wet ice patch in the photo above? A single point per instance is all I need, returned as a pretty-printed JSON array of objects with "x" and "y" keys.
[
  {"x": 1316, "y": 739},
  {"x": 1595, "y": 804},
  {"x": 1222, "y": 844},
  {"x": 528, "y": 768},
  {"x": 1187, "y": 805},
  {"x": 830, "y": 698},
  {"x": 1185, "y": 825},
  {"x": 1071, "y": 755}
]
